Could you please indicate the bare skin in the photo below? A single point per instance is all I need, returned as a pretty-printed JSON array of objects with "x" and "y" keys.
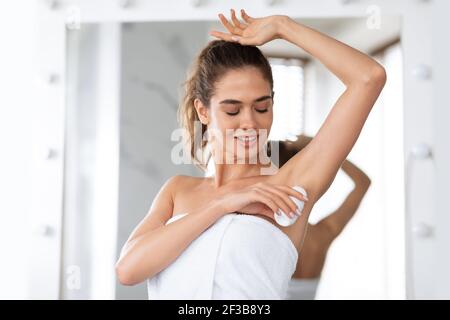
[
  {"x": 240, "y": 187},
  {"x": 321, "y": 235}
]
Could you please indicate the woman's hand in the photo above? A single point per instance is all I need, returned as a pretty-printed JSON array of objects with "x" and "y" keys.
[
  {"x": 262, "y": 198},
  {"x": 254, "y": 31}
]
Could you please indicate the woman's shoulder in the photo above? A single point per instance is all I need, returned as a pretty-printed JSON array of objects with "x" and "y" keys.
[{"x": 185, "y": 191}]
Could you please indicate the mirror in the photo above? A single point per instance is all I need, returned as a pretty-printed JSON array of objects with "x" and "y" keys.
[{"x": 123, "y": 89}]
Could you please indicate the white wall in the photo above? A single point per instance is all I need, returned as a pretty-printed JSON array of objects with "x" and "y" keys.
[
  {"x": 441, "y": 115},
  {"x": 16, "y": 101}
]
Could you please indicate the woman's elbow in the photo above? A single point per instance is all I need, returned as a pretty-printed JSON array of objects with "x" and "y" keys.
[
  {"x": 124, "y": 275},
  {"x": 376, "y": 76},
  {"x": 365, "y": 183}
]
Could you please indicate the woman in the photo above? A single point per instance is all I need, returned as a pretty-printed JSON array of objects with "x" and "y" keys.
[
  {"x": 215, "y": 237},
  {"x": 320, "y": 236}
]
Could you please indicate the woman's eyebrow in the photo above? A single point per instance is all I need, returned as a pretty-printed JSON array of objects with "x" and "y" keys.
[{"x": 233, "y": 101}]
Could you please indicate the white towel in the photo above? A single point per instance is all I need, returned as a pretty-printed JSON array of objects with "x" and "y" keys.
[
  {"x": 302, "y": 289},
  {"x": 240, "y": 256}
]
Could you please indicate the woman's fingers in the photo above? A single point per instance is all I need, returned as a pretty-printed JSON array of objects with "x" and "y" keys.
[
  {"x": 289, "y": 201},
  {"x": 246, "y": 17},
  {"x": 289, "y": 206},
  {"x": 222, "y": 35},
  {"x": 236, "y": 29},
  {"x": 252, "y": 41},
  {"x": 276, "y": 198},
  {"x": 293, "y": 192},
  {"x": 281, "y": 204},
  {"x": 232, "y": 29},
  {"x": 259, "y": 196},
  {"x": 235, "y": 20}
]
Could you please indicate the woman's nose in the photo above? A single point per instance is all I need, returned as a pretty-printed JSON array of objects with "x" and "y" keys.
[{"x": 248, "y": 120}]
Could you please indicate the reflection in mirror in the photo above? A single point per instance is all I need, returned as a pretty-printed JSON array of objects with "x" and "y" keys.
[{"x": 124, "y": 83}]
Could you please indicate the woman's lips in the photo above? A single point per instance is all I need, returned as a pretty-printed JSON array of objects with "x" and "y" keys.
[{"x": 247, "y": 141}]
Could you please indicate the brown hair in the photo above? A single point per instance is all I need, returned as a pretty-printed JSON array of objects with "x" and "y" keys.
[{"x": 218, "y": 57}]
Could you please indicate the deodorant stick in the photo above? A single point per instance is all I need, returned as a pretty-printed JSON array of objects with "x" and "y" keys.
[{"x": 284, "y": 219}]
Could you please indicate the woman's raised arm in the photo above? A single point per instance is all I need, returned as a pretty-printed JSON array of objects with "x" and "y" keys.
[{"x": 315, "y": 167}]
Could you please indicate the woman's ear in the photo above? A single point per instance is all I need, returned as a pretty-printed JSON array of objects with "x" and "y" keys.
[{"x": 202, "y": 111}]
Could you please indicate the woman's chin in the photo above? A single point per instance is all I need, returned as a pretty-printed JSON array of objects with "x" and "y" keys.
[{"x": 250, "y": 156}]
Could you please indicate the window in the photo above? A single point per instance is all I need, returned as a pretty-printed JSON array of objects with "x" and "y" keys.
[{"x": 288, "y": 76}]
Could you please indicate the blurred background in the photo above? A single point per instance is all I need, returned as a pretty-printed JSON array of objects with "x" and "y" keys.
[{"x": 88, "y": 107}]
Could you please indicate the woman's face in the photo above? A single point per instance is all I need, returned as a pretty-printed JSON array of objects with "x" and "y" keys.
[{"x": 239, "y": 116}]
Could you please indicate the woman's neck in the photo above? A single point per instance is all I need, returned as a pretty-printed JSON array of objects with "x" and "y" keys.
[{"x": 226, "y": 173}]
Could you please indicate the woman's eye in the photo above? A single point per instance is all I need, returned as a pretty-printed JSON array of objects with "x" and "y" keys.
[
  {"x": 262, "y": 110},
  {"x": 232, "y": 113}
]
